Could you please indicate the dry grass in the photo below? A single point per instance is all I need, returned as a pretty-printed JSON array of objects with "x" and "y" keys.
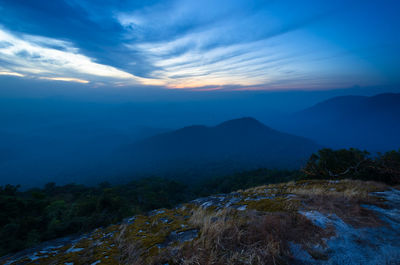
[
  {"x": 348, "y": 209},
  {"x": 343, "y": 198},
  {"x": 249, "y": 237},
  {"x": 129, "y": 251},
  {"x": 262, "y": 234},
  {"x": 352, "y": 189}
]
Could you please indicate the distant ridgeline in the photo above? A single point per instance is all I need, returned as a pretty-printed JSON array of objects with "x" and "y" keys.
[
  {"x": 371, "y": 123},
  {"x": 36, "y": 215},
  {"x": 111, "y": 147},
  {"x": 235, "y": 145}
]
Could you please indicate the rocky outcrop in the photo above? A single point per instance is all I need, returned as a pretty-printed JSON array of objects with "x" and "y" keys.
[{"x": 307, "y": 222}]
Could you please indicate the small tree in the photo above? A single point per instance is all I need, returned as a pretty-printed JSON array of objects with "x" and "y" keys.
[
  {"x": 343, "y": 163},
  {"x": 387, "y": 167}
]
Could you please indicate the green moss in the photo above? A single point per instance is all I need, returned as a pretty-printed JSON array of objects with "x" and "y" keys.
[
  {"x": 147, "y": 232},
  {"x": 272, "y": 205}
]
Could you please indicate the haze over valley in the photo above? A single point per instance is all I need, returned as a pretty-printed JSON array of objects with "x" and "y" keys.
[{"x": 72, "y": 141}]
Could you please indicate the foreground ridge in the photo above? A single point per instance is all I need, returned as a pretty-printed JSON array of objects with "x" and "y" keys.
[{"x": 304, "y": 222}]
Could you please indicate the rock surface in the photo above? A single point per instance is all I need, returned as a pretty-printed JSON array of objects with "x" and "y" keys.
[{"x": 360, "y": 220}]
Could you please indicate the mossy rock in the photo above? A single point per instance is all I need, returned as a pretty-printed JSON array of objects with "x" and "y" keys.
[{"x": 272, "y": 205}]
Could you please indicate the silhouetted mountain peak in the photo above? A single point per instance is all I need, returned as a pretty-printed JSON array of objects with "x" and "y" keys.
[
  {"x": 351, "y": 121},
  {"x": 190, "y": 129},
  {"x": 245, "y": 122},
  {"x": 234, "y": 144},
  {"x": 379, "y": 101}
]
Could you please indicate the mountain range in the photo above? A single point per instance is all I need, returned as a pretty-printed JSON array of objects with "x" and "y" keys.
[
  {"x": 371, "y": 123},
  {"x": 232, "y": 145},
  {"x": 109, "y": 143}
]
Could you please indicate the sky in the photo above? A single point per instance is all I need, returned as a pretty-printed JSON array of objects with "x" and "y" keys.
[
  {"x": 206, "y": 45},
  {"x": 81, "y": 78}
]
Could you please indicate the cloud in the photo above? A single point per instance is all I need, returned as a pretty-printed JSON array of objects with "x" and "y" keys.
[
  {"x": 89, "y": 25},
  {"x": 218, "y": 43},
  {"x": 66, "y": 79},
  {"x": 48, "y": 58},
  {"x": 11, "y": 73},
  {"x": 177, "y": 43}
]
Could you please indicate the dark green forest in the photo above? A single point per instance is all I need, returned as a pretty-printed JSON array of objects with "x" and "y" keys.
[{"x": 36, "y": 215}]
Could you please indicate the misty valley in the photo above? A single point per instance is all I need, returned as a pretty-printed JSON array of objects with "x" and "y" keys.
[{"x": 65, "y": 142}]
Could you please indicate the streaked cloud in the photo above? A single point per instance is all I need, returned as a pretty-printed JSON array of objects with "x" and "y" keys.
[
  {"x": 234, "y": 44},
  {"x": 66, "y": 79},
  {"x": 11, "y": 73},
  {"x": 48, "y": 58},
  {"x": 202, "y": 45}
]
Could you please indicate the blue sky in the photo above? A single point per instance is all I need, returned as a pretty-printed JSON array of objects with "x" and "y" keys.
[{"x": 200, "y": 45}]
